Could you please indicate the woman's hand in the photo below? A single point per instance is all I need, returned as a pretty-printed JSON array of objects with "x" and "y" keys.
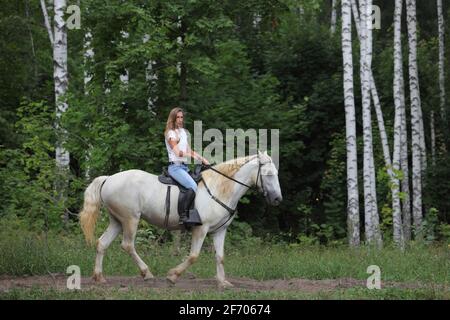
[{"x": 204, "y": 161}]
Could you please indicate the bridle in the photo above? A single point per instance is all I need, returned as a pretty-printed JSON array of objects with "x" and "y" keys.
[{"x": 231, "y": 211}]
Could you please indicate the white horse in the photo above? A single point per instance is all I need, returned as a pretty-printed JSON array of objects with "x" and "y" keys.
[{"x": 135, "y": 194}]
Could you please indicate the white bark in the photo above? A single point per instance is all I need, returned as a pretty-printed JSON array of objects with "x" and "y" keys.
[
  {"x": 333, "y": 15},
  {"x": 376, "y": 101},
  {"x": 415, "y": 116},
  {"x": 88, "y": 57},
  {"x": 47, "y": 22},
  {"x": 60, "y": 75},
  {"x": 423, "y": 149},
  {"x": 433, "y": 139},
  {"x": 398, "y": 73},
  {"x": 441, "y": 31},
  {"x": 256, "y": 20},
  {"x": 350, "y": 126},
  {"x": 373, "y": 235},
  {"x": 33, "y": 50},
  {"x": 404, "y": 165},
  {"x": 180, "y": 45},
  {"x": 124, "y": 78}
]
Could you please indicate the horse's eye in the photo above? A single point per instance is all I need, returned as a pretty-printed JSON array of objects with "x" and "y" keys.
[{"x": 267, "y": 172}]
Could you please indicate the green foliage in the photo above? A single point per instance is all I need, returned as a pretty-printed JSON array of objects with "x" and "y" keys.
[
  {"x": 230, "y": 71},
  {"x": 28, "y": 173},
  {"x": 430, "y": 225}
]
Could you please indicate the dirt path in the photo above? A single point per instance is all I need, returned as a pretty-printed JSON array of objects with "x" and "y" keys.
[{"x": 190, "y": 283}]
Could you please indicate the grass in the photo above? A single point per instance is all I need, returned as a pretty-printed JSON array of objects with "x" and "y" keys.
[{"x": 26, "y": 253}]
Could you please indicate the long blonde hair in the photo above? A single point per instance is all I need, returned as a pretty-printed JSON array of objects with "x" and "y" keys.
[{"x": 170, "y": 125}]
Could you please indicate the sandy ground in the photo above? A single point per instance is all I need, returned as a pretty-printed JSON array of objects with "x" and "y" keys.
[{"x": 191, "y": 283}]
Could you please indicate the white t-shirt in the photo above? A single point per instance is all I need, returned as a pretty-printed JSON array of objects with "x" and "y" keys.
[{"x": 182, "y": 144}]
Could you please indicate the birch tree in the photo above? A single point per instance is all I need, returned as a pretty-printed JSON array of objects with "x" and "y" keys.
[
  {"x": 441, "y": 31},
  {"x": 47, "y": 22},
  {"x": 350, "y": 126},
  {"x": 124, "y": 77},
  {"x": 404, "y": 164},
  {"x": 400, "y": 111},
  {"x": 333, "y": 15},
  {"x": 88, "y": 57},
  {"x": 398, "y": 73},
  {"x": 60, "y": 75},
  {"x": 372, "y": 230},
  {"x": 415, "y": 115},
  {"x": 376, "y": 101}
]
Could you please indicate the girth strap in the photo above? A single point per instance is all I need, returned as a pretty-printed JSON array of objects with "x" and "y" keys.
[{"x": 166, "y": 220}]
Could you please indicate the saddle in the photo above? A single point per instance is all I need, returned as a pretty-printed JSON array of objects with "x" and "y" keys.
[{"x": 184, "y": 196}]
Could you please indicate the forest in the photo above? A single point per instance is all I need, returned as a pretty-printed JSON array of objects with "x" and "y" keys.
[{"x": 357, "y": 90}]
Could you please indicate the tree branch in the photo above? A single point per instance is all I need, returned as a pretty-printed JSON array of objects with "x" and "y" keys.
[{"x": 47, "y": 21}]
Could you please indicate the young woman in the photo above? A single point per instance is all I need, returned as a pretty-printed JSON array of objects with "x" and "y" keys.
[{"x": 179, "y": 150}]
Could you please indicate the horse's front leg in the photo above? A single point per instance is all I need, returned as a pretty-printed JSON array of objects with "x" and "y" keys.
[
  {"x": 198, "y": 236},
  {"x": 219, "y": 241}
]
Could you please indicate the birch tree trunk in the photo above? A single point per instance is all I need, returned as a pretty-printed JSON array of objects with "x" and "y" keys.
[
  {"x": 398, "y": 73},
  {"x": 33, "y": 50},
  {"x": 441, "y": 31},
  {"x": 333, "y": 15},
  {"x": 350, "y": 127},
  {"x": 404, "y": 165},
  {"x": 423, "y": 149},
  {"x": 47, "y": 22},
  {"x": 433, "y": 139},
  {"x": 415, "y": 116},
  {"x": 88, "y": 57},
  {"x": 60, "y": 76},
  {"x": 124, "y": 77},
  {"x": 376, "y": 101},
  {"x": 373, "y": 235}
]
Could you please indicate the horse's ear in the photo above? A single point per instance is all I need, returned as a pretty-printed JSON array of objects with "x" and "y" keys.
[
  {"x": 259, "y": 153},
  {"x": 265, "y": 152}
]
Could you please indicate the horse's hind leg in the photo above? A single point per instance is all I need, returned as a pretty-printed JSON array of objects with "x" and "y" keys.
[
  {"x": 198, "y": 236},
  {"x": 219, "y": 241},
  {"x": 129, "y": 234},
  {"x": 103, "y": 243}
]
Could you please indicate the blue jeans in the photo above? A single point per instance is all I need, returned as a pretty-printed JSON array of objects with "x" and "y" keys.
[{"x": 180, "y": 173}]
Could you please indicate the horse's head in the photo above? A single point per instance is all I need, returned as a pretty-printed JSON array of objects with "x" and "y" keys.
[{"x": 266, "y": 179}]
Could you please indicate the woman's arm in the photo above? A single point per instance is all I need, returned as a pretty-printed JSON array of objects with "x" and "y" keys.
[
  {"x": 174, "y": 145},
  {"x": 195, "y": 155}
]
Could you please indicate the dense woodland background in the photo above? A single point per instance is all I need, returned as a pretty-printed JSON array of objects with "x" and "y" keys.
[{"x": 239, "y": 64}]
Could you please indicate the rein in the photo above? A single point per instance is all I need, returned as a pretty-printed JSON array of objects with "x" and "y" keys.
[{"x": 231, "y": 211}]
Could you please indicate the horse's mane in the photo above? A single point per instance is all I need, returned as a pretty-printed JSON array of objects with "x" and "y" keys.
[{"x": 222, "y": 184}]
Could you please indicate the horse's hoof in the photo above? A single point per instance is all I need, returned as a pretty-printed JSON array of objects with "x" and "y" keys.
[
  {"x": 147, "y": 275},
  {"x": 98, "y": 278},
  {"x": 172, "y": 278},
  {"x": 225, "y": 284}
]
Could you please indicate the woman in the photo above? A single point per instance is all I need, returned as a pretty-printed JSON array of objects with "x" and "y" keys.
[{"x": 178, "y": 151}]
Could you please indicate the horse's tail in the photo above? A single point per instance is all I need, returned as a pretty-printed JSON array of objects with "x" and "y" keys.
[{"x": 91, "y": 208}]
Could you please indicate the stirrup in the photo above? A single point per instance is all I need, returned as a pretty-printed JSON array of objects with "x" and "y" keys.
[{"x": 183, "y": 219}]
